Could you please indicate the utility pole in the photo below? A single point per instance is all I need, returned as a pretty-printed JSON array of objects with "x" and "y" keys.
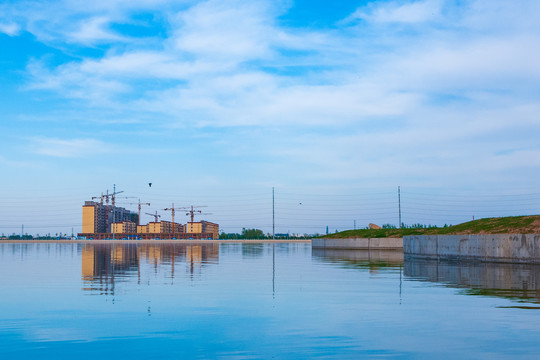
[
  {"x": 273, "y": 215},
  {"x": 22, "y": 231},
  {"x": 354, "y": 224},
  {"x": 399, "y": 204}
]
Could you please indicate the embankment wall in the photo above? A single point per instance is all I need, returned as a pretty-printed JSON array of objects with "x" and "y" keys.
[
  {"x": 506, "y": 248},
  {"x": 358, "y": 243}
]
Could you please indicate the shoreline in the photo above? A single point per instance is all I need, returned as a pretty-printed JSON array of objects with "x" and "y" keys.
[{"x": 160, "y": 241}]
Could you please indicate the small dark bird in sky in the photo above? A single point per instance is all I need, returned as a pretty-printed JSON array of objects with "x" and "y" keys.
[{"x": 149, "y": 184}]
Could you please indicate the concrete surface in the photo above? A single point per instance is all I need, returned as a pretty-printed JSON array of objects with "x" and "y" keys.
[{"x": 509, "y": 248}]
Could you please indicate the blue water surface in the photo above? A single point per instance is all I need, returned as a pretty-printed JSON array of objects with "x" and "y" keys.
[{"x": 259, "y": 301}]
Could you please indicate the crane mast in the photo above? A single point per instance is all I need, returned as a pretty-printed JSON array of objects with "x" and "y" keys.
[
  {"x": 192, "y": 211},
  {"x": 172, "y": 209},
  {"x": 156, "y": 216}
]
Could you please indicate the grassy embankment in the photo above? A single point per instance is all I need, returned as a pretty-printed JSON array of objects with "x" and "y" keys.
[{"x": 504, "y": 225}]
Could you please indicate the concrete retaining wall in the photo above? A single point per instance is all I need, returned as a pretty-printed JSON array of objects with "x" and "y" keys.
[
  {"x": 358, "y": 243},
  {"x": 510, "y": 248}
]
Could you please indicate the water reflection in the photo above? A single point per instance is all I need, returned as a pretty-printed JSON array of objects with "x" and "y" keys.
[
  {"x": 372, "y": 259},
  {"x": 515, "y": 281},
  {"x": 252, "y": 251},
  {"x": 519, "y": 282},
  {"x": 104, "y": 265}
]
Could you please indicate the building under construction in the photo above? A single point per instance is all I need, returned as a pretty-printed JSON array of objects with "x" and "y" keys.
[{"x": 103, "y": 221}]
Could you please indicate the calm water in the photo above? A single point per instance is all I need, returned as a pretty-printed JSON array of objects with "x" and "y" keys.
[{"x": 250, "y": 301}]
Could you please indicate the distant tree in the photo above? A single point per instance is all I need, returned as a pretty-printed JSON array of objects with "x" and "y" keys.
[
  {"x": 252, "y": 233},
  {"x": 229, "y": 236}
]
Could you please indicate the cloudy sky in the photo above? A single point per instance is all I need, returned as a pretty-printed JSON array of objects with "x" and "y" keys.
[{"x": 335, "y": 104}]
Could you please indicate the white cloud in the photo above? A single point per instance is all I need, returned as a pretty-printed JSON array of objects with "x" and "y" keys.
[
  {"x": 94, "y": 30},
  {"x": 68, "y": 148},
  {"x": 229, "y": 30},
  {"x": 423, "y": 99},
  {"x": 399, "y": 12},
  {"x": 10, "y": 28}
]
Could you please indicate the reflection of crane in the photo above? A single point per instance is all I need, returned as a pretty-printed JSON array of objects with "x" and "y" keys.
[
  {"x": 156, "y": 216},
  {"x": 192, "y": 212}
]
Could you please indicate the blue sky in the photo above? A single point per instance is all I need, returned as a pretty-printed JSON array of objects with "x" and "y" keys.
[{"x": 216, "y": 102}]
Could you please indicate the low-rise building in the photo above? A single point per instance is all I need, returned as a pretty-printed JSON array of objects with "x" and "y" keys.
[
  {"x": 205, "y": 227},
  {"x": 162, "y": 227},
  {"x": 125, "y": 227}
]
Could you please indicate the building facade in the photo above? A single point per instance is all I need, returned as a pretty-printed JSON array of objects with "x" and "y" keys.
[
  {"x": 98, "y": 218},
  {"x": 205, "y": 227},
  {"x": 163, "y": 227},
  {"x": 126, "y": 227}
]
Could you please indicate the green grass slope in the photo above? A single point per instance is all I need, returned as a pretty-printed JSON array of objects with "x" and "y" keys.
[{"x": 505, "y": 225}]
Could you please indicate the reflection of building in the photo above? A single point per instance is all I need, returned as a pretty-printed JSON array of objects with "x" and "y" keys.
[
  {"x": 519, "y": 281},
  {"x": 104, "y": 265},
  {"x": 203, "y": 227},
  {"x": 101, "y": 263},
  {"x": 169, "y": 253}
]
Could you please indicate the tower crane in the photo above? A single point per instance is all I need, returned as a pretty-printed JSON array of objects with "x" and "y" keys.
[
  {"x": 140, "y": 204},
  {"x": 172, "y": 209},
  {"x": 108, "y": 196},
  {"x": 103, "y": 196},
  {"x": 99, "y": 197},
  {"x": 114, "y": 193},
  {"x": 156, "y": 216},
  {"x": 192, "y": 211}
]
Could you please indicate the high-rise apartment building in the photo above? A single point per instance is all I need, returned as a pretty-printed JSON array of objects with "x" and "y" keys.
[{"x": 97, "y": 218}]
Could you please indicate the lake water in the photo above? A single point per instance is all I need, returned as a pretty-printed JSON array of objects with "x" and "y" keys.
[{"x": 259, "y": 301}]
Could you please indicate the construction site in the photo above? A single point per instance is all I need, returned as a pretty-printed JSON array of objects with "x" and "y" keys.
[{"x": 103, "y": 220}]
